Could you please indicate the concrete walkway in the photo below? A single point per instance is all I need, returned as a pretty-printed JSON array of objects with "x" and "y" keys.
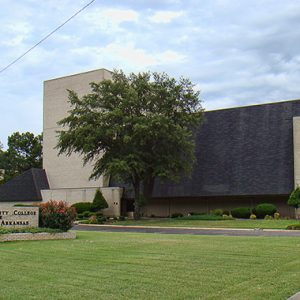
[{"x": 189, "y": 230}]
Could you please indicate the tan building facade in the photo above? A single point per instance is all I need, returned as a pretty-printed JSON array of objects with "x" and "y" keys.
[{"x": 68, "y": 178}]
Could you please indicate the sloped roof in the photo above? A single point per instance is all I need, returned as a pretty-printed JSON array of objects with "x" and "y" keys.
[
  {"x": 25, "y": 187},
  {"x": 241, "y": 151}
]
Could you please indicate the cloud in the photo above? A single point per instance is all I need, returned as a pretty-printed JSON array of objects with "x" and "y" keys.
[
  {"x": 109, "y": 19},
  {"x": 165, "y": 16},
  {"x": 237, "y": 53},
  {"x": 127, "y": 56}
]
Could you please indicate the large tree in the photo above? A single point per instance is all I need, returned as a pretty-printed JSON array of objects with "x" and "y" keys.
[
  {"x": 137, "y": 128},
  {"x": 24, "y": 151}
]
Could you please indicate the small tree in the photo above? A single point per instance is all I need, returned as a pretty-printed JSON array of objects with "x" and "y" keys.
[
  {"x": 294, "y": 199},
  {"x": 99, "y": 201}
]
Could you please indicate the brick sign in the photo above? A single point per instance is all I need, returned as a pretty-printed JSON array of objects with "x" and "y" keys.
[{"x": 23, "y": 216}]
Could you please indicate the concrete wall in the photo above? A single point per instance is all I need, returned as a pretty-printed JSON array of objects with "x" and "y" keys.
[
  {"x": 63, "y": 171},
  {"x": 112, "y": 196},
  {"x": 296, "y": 134}
]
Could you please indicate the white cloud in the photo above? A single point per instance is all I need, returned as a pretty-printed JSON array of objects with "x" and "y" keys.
[
  {"x": 165, "y": 16},
  {"x": 128, "y": 56},
  {"x": 109, "y": 19}
]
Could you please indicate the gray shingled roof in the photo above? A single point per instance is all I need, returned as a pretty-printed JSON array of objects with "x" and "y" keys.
[
  {"x": 241, "y": 151},
  {"x": 25, "y": 187}
]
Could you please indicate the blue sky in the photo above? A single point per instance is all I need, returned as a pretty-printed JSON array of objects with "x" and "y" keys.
[{"x": 236, "y": 52}]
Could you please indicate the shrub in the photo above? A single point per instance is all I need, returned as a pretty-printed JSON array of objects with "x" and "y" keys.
[
  {"x": 177, "y": 215},
  {"x": 226, "y": 212},
  {"x": 82, "y": 207},
  {"x": 227, "y": 217},
  {"x": 121, "y": 218},
  {"x": 93, "y": 220},
  {"x": 267, "y": 217},
  {"x": 294, "y": 199},
  {"x": 253, "y": 217},
  {"x": 80, "y": 216},
  {"x": 99, "y": 201},
  {"x": 217, "y": 212},
  {"x": 261, "y": 210},
  {"x": 294, "y": 227},
  {"x": 87, "y": 214},
  {"x": 57, "y": 215},
  {"x": 241, "y": 212},
  {"x": 277, "y": 216},
  {"x": 197, "y": 213}
]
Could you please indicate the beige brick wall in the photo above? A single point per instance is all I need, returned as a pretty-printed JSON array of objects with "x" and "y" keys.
[
  {"x": 63, "y": 171},
  {"x": 111, "y": 194}
]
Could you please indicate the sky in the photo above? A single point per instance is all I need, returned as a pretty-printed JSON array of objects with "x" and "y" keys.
[{"x": 236, "y": 52}]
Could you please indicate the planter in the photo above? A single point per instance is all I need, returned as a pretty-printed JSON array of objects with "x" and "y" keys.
[{"x": 11, "y": 237}]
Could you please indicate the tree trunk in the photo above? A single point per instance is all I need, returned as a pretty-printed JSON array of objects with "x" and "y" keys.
[{"x": 137, "y": 200}]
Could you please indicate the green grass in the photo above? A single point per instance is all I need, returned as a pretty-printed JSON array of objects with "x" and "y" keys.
[
  {"x": 101, "y": 265},
  {"x": 265, "y": 224}
]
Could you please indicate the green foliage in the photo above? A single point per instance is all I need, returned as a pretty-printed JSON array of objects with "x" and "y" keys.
[
  {"x": 293, "y": 227},
  {"x": 143, "y": 123},
  {"x": 217, "y": 212},
  {"x": 227, "y": 217},
  {"x": 253, "y": 217},
  {"x": 82, "y": 207},
  {"x": 57, "y": 215},
  {"x": 268, "y": 217},
  {"x": 294, "y": 199},
  {"x": 99, "y": 202},
  {"x": 261, "y": 210},
  {"x": 241, "y": 212},
  {"x": 277, "y": 216},
  {"x": 23, "y": 153},
  {"x": 176, "y": 215}
]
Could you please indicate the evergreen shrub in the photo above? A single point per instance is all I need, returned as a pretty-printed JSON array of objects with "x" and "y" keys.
[
  {"x": 99, "y": 202},
  {"x": 82, "y": 207},
  {"x": 261, "y": 210},
  {"x": 241, "y": 212}
]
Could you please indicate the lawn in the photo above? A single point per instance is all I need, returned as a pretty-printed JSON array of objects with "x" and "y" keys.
[
  {"x": 101, "y": 265},
  {"x": 265, "y": 224}
]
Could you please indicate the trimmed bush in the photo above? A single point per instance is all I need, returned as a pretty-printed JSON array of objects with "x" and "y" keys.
[
  {"x": 241, "y": 212},
  {"x": 227, "y": 217},
  {"x": 82, "y": 207},
  {"x": 261, "y": 210},
  {"x": 294, "y": 227},
  {"x": 176, "y": 215},
  {"x": 87, "y": 214},
  {"x": 99, "y": 201},
  {"x": 267, "y": 217},
  {"x": 277, "y": 216},
  {"x": 253, "y": 217},
  {"x": 217, "y": 212},
  {"x": 57, "y": 215}
]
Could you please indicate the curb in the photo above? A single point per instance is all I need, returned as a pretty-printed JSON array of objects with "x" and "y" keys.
[{"x": 295, "y": 297}]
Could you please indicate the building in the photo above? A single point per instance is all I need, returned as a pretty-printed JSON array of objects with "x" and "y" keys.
[{"x": 245, "y": 155}]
